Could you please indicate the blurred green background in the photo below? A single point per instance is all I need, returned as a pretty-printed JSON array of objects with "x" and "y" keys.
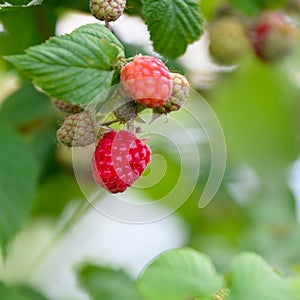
[{"x": 256, "y": 207}]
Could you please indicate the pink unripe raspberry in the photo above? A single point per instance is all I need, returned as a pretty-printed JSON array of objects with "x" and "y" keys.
[{"x": 147, "y": 80}]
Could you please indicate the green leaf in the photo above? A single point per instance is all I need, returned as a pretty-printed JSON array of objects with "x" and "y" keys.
[
  {"x": 252, "y": 278},
  {"x": 18, "y": 177},
  {"x": 180, "y": 274},
  {"x": 78, "y": 5},
  {"x": 134, "y": 7},
  {"x": 36, "y": 24},
  {"x": 101, "y": 32},
  {"x": 106, "y": 284},
  {"x": 173, "y": 24},
  {"x": 13, "y": 4},
  {"x": 19, "y": 293},
  {"x": 249, "y": 7},
  {"x": 25, "y": 105},
  {"x": 254, "y": 6},
  {"x": 209, "y": 7},
  {"x": 44, "y": 148},
  {"x": 76, "y": 67}
]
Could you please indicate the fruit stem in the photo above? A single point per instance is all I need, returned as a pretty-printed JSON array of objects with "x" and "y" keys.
[
  {"x": 130, "y": 125},
  {"x": 108, "y": 25},
  {"x": 109, "y": 122},
  {"x": 123, "y": 61}
]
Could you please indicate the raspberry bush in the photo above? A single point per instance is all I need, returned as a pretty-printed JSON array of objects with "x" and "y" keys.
[{"x": 94, "y": 94}]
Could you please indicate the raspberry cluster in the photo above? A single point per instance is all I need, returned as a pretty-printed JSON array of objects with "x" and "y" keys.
[{"x": 120, "y": 157}]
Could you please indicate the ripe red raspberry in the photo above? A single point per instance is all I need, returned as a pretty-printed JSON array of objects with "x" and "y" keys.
[
  {"x": 119, "y": 160},
  {"x": 147, "y": 80},
  {"x": 273, "y": 35}
]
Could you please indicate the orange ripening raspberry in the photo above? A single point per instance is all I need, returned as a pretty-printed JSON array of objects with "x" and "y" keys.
[
  {"x": 119, "y": 160},
  {"x": 147, "y": 80}
]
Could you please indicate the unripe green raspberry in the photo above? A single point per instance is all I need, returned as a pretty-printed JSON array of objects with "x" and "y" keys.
[
  {"x": 66, "y": 108},
  {"x": 77, "y": 131},
  {"x": 107, "y": 10},
  {"x": 228, "y": 40},
  {"x": 180, "y": 90},
  {"x": 178, "y": 96}
]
